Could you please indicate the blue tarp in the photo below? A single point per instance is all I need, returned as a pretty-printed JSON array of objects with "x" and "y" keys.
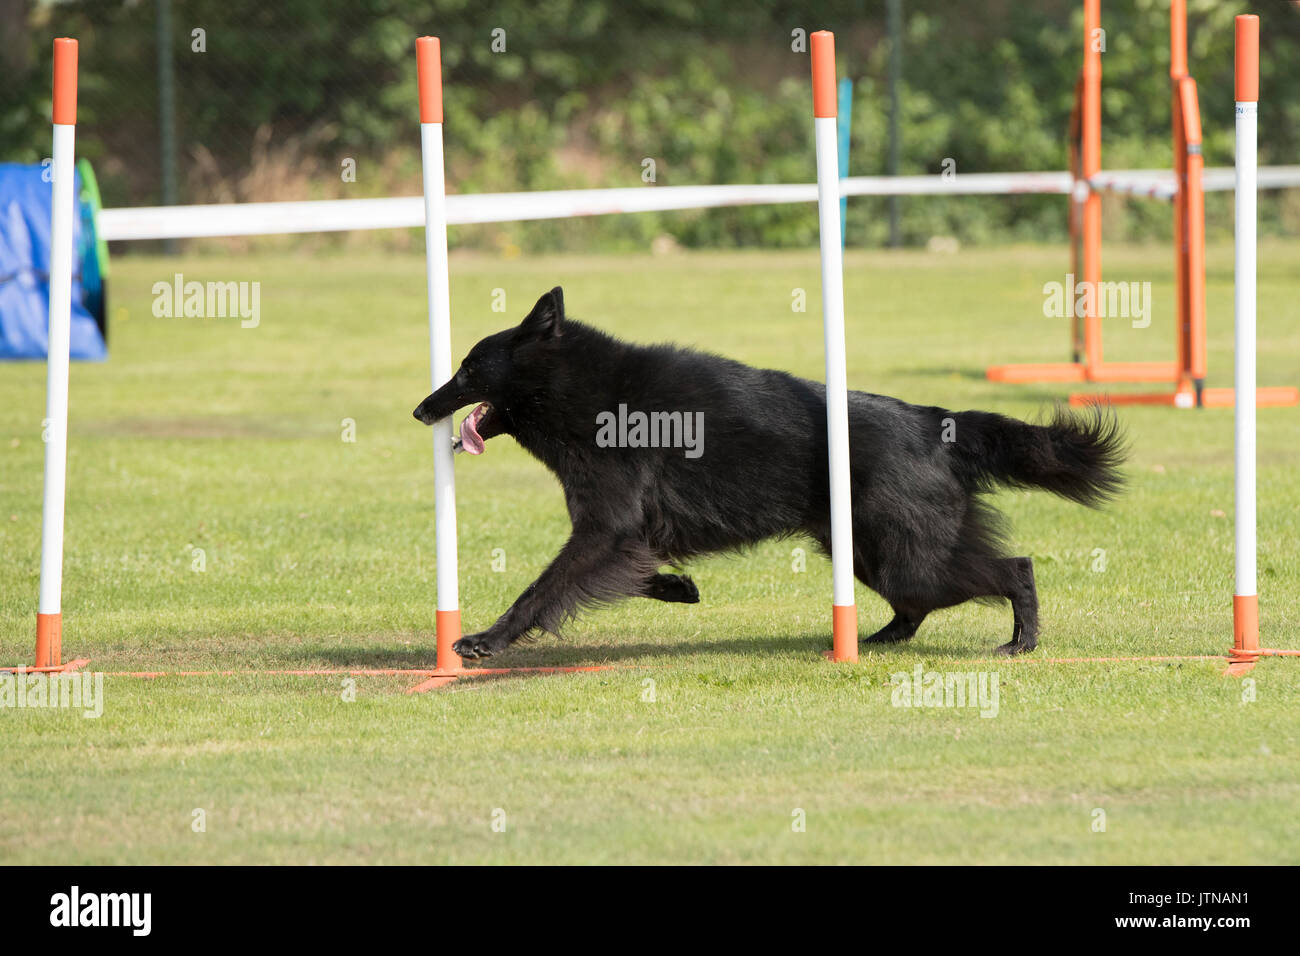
[{"x": 25, "y": 200}]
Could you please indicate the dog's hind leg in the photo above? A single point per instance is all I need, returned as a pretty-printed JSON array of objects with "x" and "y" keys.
[
  {"x": 1019, "y": 589},
  {"x": 593, "y": 567},
  {"x": 673, "y": 588},
  {"x": 900, "y": 628},
  {"x": 907, "y": 616}
]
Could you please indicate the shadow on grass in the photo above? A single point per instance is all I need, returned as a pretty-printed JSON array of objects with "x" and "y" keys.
[
  {"x": 588, "y": 650},
  {"x": 552, "y": 653}
]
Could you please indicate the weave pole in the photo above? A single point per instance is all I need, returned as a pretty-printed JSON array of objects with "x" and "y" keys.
[
  {"x": 1090, "y": 165},
  {"x": 844, "y": 612},
  {"x": 1245, "y": 596},
  {"x": 49, "y": 612},
  {"x": 1245, "y": 601},
  {"x": 844, "y": 131},
  {"x": 450, "y": 668},
  {"x": 429, "y": 73}
]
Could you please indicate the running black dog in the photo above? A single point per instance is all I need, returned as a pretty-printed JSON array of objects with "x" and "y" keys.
[{"x": 667, "y": 453}]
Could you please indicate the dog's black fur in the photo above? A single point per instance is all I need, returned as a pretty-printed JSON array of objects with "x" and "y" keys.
[{"x": 923, "y": 537}]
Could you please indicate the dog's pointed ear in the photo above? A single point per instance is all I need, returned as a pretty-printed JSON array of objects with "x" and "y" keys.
[{"x": 547, "y": 318}]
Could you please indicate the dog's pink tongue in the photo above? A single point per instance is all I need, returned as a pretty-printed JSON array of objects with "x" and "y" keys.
[{"x": 471, "y": 441}]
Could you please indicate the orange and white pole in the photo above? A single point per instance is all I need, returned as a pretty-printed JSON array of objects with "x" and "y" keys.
[
  {"x": 844, "y": 620},
  {"x": 1245, "y": 601},
  {"x": 429, "y": 72},
  {"x": 49, "y": 612}
]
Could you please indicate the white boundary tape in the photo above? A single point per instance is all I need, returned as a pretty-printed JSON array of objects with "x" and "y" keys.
[{"x": 407, "y": 212}]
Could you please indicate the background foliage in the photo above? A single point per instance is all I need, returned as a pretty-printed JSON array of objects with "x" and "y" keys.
[{"x": 711, "y": 90}]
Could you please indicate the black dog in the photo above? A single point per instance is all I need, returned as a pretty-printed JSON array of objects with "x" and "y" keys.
[{"x": 624, "y": 426}]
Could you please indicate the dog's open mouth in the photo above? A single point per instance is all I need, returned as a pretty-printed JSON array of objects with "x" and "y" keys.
[{"x": 469, "y": 440}]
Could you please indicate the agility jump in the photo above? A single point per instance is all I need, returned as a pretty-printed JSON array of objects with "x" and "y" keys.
[{"x": 1189, "y": 369}]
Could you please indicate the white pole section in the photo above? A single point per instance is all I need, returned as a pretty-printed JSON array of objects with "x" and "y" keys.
[
  {"x": 844, "y": 619},
  {"x": 429, "y": 68},
  {"x": 1245, "y": 602},
  {"x": 49, "y": 612}
]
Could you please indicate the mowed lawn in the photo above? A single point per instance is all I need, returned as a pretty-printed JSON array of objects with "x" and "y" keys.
[{"x": 218, "y": 519}]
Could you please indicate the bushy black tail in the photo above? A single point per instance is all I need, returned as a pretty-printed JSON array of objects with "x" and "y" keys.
[{"x": 1076, "y": 456}]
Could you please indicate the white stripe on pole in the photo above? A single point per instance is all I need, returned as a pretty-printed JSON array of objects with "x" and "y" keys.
[
  {"x": 1244, "y": 348},
  {"x": 437, "y": 278},
  {"x": 55, "y": 426},
  {"x": 837, "y": 396}
]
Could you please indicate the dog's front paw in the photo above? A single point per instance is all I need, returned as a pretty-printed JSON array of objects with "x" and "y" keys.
[
  {"x": 472, "y": 647},
  {"x": 690, "y": 594}
]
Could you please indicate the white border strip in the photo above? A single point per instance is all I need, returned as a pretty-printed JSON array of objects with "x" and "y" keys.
[{"x": 407, "y": 212}]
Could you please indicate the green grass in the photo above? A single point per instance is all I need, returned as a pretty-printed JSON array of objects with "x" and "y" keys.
[{"x": 198, "y": 434}]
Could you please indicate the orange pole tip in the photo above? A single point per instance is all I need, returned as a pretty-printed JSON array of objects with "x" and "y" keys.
[
  {"x": 65, "y": 81},
  {"x": 1247, "y": 58},
  {"x": 428, "y": 61},
  {"x": 823, "y": 74}
]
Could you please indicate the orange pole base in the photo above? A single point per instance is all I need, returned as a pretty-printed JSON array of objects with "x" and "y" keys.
[
  {"x": 1245, "y": 624},
  {"x": 448, "y": 627},
  {"x": 1134, "y": 372},
  {"x": 844, "y": 634},
  {"x": 1078, "y": 372},
  {"x": 65, "y": 668},
  {"x": 1277, "y": 396},
  {"x": 49, "y": 640},
  {"x": 1273, "y": 397},
  {"x": 1046, "y": 372}
]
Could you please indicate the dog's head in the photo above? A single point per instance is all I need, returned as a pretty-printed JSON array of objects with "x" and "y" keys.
[{"x": 489, "y": 376}]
